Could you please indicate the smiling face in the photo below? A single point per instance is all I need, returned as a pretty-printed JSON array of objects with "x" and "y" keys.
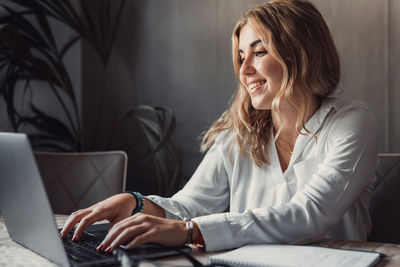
[{"x": 260, "y": 73}]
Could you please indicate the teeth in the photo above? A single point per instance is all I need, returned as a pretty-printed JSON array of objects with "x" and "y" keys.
[{"x": 253, "y": 85}]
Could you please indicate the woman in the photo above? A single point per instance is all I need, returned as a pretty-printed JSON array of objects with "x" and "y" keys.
[{"x": 291, "y": 163}]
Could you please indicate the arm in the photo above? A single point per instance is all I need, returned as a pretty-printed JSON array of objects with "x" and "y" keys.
[
  {"x": 206, "y": 192},
  {"x": 114, "y": 209},
  {"x": 344, "y": 173}
]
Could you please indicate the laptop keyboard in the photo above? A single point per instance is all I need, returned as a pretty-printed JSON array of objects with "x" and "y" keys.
[{"x": 84, "y": 250}]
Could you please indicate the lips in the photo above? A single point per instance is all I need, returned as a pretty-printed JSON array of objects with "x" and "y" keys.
[{"x": 253, "y": 86}]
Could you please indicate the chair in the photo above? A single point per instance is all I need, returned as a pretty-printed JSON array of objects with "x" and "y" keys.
[
  {"x": 385, "y": 201},
  {"x": 78, "y": 180}
]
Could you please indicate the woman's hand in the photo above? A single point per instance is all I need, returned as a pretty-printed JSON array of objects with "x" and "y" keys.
[
  {"x": 143, "y": 228},
  {"x": 114, "y": 209}
]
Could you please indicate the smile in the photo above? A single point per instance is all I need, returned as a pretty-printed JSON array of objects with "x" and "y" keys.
[{"x": 253, "y": 86}]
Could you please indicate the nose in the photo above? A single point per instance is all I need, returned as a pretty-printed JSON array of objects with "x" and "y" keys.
[{"x": 247, "y": 67}]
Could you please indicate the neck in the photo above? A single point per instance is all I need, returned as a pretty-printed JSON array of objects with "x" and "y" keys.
[{"x": 287, "y": 126}]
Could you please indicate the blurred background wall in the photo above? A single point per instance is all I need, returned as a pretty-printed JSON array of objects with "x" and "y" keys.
[{"x": 177, "y": 53}]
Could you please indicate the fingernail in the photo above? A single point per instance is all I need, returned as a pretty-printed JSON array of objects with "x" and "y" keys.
[
  {"x": 108, "y": 250},
  {"x": 100, "y": 247},
  {"x": 74, "y": 238}
]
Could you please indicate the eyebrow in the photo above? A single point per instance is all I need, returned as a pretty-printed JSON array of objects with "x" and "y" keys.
[{"x": 252, "y": 44}]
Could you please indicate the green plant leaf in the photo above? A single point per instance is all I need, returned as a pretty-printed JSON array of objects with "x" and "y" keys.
[
  {"x": 163, "y": 150},
  {"x": 44, "y": 64},
  {"x": 45, "y": 27},
  {"x": 68, "y": 45},
  {"x": 7, "y": 91},
  {"x": 90, "y": 35},
  {"x": 149, "y": 126},
  {"x": 49, "y": 125},
  {"x": 28, "y": 52},
  {"x": 51, "y": 69},
  {"x": 62, "y": 11},
  {"x": 24, "y": 25},
  {"x": 11, "y": 39}
]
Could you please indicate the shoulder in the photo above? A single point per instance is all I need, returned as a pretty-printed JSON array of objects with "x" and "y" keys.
[
  {"x": 222, "y": 150},
  {"x": 224, "y": 139},
  {"x": 225, "y": 146},
  {"x": 348, "y": 118},
  {"x": 344, "y": 107}
]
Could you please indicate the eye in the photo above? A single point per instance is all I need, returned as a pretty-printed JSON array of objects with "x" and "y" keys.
[{"x": 260, "y": 53}]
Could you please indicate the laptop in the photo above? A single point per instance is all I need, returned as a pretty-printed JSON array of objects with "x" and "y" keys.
[{"x": 29, "y": 218}]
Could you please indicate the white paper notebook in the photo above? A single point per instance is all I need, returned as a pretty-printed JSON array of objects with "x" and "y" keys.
[{"x": 287, "y": 255}]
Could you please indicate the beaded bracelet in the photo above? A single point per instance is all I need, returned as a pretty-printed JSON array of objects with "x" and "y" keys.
[{"x": 139, "y": 201}]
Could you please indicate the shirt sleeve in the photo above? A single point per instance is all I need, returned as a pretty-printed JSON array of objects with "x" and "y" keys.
[
  {"x": 206, "y": 192},
  {"x": 340, "y": 178}
]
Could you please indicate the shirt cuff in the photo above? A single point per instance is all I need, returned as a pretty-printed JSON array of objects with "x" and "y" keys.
[{"x": 216, "y": 232}]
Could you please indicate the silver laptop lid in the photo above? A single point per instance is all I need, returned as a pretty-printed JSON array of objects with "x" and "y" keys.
[{"x": 23, "y": 200}]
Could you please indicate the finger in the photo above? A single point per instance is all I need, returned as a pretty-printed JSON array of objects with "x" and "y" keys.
[
  {"x": 126, "y": 222},
  {"x": 72, "y": 220},
  {"x": 126, "y": 235},
  {"x": 86, "y": 221},
  {"x": 115, "y": 231},
  {"x": 146, "y": 237}
]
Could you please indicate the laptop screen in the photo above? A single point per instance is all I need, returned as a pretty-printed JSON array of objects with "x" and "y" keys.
[
  {"x": 23, "y": 200},
  {"x": 27, "y": 212}
]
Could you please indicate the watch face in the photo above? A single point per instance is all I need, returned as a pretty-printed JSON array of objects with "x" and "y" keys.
[{"x": 189, "y": 226}]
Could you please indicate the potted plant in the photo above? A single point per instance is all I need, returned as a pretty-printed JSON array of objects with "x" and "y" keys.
[{"x": 29, "y": 54}]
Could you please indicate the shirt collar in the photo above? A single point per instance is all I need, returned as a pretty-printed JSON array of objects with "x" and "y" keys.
[{"x": 317, "y": 119}]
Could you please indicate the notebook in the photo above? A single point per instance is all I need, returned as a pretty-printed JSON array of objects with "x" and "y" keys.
[
  {"x": 29, "y": 219},
  {"x": 290, "y": 255}
]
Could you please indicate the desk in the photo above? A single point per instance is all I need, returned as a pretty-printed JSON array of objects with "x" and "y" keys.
[{"x": 13, "y": 254}]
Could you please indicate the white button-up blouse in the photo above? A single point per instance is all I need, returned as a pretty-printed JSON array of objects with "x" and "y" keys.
[{"x": 324, "y": 192}]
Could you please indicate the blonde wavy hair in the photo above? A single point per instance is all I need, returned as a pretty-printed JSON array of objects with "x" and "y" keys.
[{"x": 296, "y": 35}]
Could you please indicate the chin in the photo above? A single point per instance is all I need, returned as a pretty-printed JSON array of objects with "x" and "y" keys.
[{"x": 260, "y": 106}]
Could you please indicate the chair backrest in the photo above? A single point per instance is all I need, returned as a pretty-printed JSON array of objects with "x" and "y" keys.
[
  {"x": 385, "y": 201},
  {"x": 77, "y": 180}
]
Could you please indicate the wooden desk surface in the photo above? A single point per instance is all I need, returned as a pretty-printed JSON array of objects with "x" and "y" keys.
[{"x": 13, "y": 254}]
